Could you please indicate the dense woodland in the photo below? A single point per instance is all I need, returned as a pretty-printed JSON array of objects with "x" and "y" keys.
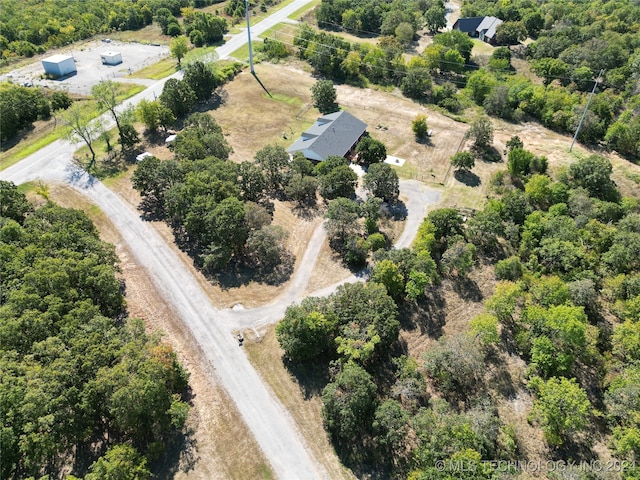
[
  {"x": 82, "y": 386},
  {"x": 565, "y": 249},
  {"x": 566, "y": 252},
  {"x": 29, "y": 27}
]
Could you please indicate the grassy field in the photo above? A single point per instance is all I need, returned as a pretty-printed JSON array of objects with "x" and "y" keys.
[
  {"x": 149, "y": 34},
  {"x": 158, "y": 70}
]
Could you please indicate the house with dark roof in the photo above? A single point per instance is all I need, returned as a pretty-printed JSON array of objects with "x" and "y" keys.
[
  {"x": 333, "y": 134},
  {"x": 483, "y": 28}
]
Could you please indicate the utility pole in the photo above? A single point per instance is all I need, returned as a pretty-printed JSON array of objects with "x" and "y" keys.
[
  {"x": 595, "y": 85},
  {"x": 246, "y": 9}
]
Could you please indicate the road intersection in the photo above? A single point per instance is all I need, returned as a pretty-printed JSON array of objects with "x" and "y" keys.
[{"x": 269, "y": 422}]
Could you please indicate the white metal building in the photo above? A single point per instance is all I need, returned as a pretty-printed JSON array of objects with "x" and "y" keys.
[
  {"x": 59, "y": 65},
  {"x": 111, "y": 58}
]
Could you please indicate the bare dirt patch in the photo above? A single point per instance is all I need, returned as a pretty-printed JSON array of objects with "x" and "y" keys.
[{"x": 219, "y": 445}]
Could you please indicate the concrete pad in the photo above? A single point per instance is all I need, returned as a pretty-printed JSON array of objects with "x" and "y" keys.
[{"x": 391, "y": 160}]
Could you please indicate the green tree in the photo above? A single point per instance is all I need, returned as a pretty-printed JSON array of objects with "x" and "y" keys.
[
  {"x": 178, "y": 97},
  {"x": 274, "y": 161},
  {"x": 302, "y": 188},
  {"x": 84, "y": 126},
  {"x": 484, "y": 327},
  {"x": 342, "y": 220},
  {"x": 463, "y": 161},
  {"x": 120, "y": 462},
  {"x": 456, "y": 40},
  {"x": 201, "y": 138},
  {"x": 266, "y": 251},
  {"x": 106, "y": 95},
  {"x": 458, "y": 258},
  {"x": 480, "y": 84},
  {"x": 435, "y": 19},
  {"x": 212, "y": 27},
  {"x": 60, "y": 100},
  {"x": 339, "y": 182},
  {"x": 307, "y": 331},
  {"x": 179, "y": 47},
  {"x": 388, "y": 274},
  {"x": 416, "y": 83},
  {"x": 561, "y": 407},
  {"x": 251, "y": 181},
  {"x": 324, "y": 96},
  {"x": 392, "y": 425},
  {"x": 594, "y": 174},
  {"x": 348, "y": 403},
  {"x": 404, "y": 32},
  {"x": 481, "y": 132},
  {"x": 13, "y": 204},
  {"x": 510, "y": 33},
  {"x": 370, "y": 151},
  {"x": 419, "y": 126},
  {"x": 201, "y": 79},
  {"x": 154, "y": 114},
  {"x": 382, "y": 181}
]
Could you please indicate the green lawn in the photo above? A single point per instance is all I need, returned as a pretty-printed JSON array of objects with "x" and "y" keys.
[{"x": 157, "y": 71}]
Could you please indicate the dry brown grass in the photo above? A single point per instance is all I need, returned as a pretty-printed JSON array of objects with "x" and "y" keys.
[
  {"x": 221, "y": 446},
  {"x": 266, "y": 357}
]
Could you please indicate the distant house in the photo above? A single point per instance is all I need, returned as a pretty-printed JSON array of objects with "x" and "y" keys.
[
  {"x": 59, "y": 65},
  {"x": 333, "y": 134},
  {"x": 483, "y": 28}
]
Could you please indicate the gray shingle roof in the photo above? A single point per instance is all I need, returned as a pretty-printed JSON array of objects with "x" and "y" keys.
[
  {"x": 332, "y": 134},
  {"x": 488, "y": 25},
  {"x": 468, "y": 24}
]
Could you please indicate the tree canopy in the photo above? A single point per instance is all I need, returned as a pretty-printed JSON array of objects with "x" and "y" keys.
[{"x": 78, "y": 376}]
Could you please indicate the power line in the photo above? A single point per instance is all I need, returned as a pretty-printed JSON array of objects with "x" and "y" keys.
[{"x": 595, "y": 85}]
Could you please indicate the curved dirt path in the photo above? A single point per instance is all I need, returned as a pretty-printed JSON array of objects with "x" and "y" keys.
[
  {"x": 268, "y": 421},
  {"x": 266, "y": 418}
]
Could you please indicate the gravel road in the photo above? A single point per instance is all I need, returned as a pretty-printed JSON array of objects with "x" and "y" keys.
[{"x": 272, "y": 426}]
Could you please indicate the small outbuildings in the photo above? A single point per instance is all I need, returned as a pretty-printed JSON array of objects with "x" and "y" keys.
[
  {"x": 333, "y": 134},
  {"x": 111, "y": 58},
  {"x": 59, "y": 65},
  {"x": 143, "y": 155}
]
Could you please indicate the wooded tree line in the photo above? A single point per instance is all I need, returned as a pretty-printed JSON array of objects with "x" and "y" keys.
[
  {"x": 21, "y": 106},
  {"x": 82, "y": 385},
  {"x": 29, "y": 27},
  {"x": 565, "y": 251}
]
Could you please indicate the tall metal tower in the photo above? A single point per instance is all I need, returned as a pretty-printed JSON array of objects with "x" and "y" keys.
[{"x": 246, "y": 9}]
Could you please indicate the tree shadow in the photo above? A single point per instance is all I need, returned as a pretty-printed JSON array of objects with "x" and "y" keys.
[
  {"x": 490, "y": 154},
  {"x": 501, "y": 379},
  {"x": 239, "y": 275},
  {"x": 307, "y": 210},
  {"x": 426, "y": 314},
  {"x": 312, "y": 377},
  {"x": 467, "y": 289},
  {"x": 17, "y": 138},
  {"x": 396, "y": 210},
  {"x": 467, "y": 177},
  {"x": 424, "y": 140},
  {"x": 181, "y": 455}
]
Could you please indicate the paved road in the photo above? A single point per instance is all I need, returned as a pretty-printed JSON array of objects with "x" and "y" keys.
[{"x": 269, "y": 422}]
